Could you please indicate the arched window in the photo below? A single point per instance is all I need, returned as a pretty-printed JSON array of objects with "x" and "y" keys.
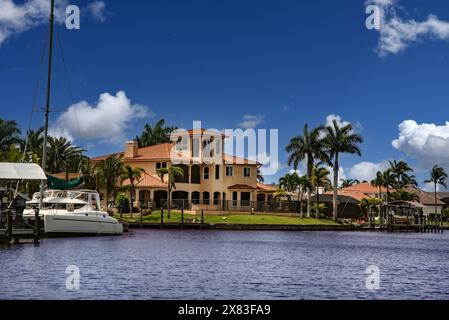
[
  {"x": 195, "y": 197},
  {"x": 195, "y": 174},
  {"x": 216, "y": 198},
  {"x": 206, "y": 197}
]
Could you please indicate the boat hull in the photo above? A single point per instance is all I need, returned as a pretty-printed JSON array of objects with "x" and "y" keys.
[{"x": 81, "y": 225}]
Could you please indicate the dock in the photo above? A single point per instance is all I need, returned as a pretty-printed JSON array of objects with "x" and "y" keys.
[{"x": 14, "y": 230}]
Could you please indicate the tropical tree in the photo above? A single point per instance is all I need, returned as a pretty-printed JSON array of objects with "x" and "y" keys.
[
  {"x": 108, "y": 173},
  {"x": 34, "y": 141},
  {"x": 9, "y": 134},
  {"x": 344, "y": 183},
  {"x": 303, "y": 185},
  {"x": 171, "y": 172},
  {"x": 61, "y": 155},
  {"x": 437, "y": 177},
  {"x": 340, "y": 140},
  {"x": 307, "y": 147},
  {"x": 289, "y": 182},
  {"x": 378, "y": 182},
  {"x": 131, "y": 174},
  {"x": 320, "y": 179},
  {"x": 400, "y": 171},
  {"x": 388, "y": 182},
  {"x": 155, "y": 134}
]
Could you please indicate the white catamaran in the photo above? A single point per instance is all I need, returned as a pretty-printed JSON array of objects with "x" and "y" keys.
[{"x": 74, "y": 212}]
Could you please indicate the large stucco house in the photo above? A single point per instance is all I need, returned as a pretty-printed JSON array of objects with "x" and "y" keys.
[{"x": 227, "y": 181}]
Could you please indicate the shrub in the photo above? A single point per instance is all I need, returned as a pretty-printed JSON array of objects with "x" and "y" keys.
[{"x": 122, "y": 203}]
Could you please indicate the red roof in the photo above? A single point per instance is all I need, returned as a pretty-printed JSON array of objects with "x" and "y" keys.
[
  {"x": 148, "y": 181},
  {"x": 241, "y": 187},
  {"x": 266, "y": 187},
  {"x": 364, "y": 187},
  {"x": 161, "y": 152}
]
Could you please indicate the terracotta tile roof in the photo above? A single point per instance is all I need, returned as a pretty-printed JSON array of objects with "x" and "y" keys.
[
  {"x": 426, "y": 198},
  {"x": 241, "y": 186},
  {"x": 364, "y": 187},
  {"x": 229, "y": 159},
  {"x": 353, "y": 194},
  {"x": 161, "y": 152},
  {"x": 266, "y": 187},
  {"x": 148, "y": 181}
]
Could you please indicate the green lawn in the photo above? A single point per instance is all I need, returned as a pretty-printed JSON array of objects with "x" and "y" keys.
[{"x": 175, "y": 217}]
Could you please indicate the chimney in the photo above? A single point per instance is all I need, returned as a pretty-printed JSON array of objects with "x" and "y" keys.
[{"x": 131, "y": 148}]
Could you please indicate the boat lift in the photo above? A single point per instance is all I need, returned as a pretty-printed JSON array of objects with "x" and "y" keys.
[{"x": 12, "y": 206}]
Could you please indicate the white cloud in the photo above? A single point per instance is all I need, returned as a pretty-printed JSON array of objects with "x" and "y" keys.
[
  {"x": 357, "y": 126},
  {"x": 105, "y": 121},
  {"x": 251, "y": 121},
  {"x": 97, "y": 10},
  {"x": 19, "y": 18},
  {"x": 366, "y": 171},
  {"x": 396, "y": 34},
  {"x": 426, "y": 142}
]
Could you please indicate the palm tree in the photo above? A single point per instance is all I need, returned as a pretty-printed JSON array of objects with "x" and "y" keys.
[
  {"x": 34, "y": 141},
  {"x": 156, "y": 134},
  {"x": 131, "y": 174},
  {"x": 9, "y": 134},
  {"x": 306, "y": 147},
  {"x": 378, "y": 182},
  {"x": 438, "y": 177},
  {"x": 340, "y": 140},
  {"x": 388, "y": 182},
  {"x": 303, "y": 185},
  {"x": 108, "y": 173},
  {"x": 348, "y": 183},
  {"x": 172, "y": 172},
  {"x": 289, "y": 182},
  {"x": 62, "y": 154},
  {"x": 400, "y": 170},
  {"x": 320, "y": 178}
]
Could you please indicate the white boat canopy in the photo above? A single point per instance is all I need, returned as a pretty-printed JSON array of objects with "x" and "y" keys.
[{"x": 21, "y": 171}]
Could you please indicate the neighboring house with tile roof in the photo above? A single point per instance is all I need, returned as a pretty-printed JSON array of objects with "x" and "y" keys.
[
  {"x": 228, "y": 178},
  {"x": 366, "y": 190}
]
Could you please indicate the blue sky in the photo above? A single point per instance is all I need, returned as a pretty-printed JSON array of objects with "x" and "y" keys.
[{"x": 280, "y": 62}]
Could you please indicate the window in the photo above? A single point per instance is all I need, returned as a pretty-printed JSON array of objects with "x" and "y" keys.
[
  {"x": 245, "y": 198},
  {"x": 196, "y": 148},
  {"x": 181, "y": 145},
  {"x": 247, "y": 172},
  {"x": 160, "y": 165},
  {"x": 217, "y": 172},
  {"x": 206, "y": 173},
  {"x": 234, "y": 198},
  {"x": 206, "y": 197},
  {"x": 229, "y": 171}
]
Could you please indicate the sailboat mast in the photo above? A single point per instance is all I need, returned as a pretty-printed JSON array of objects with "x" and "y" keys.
[{"x": 47, "y": 104}]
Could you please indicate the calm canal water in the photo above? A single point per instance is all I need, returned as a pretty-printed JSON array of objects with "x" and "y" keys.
[{"x": 195, "y": 264}]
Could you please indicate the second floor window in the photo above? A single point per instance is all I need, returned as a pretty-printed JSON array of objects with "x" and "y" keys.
[
  {"x": 229, "y": 171},
  {"x": 217, "y": 172},
  {"x": 206, "y": 173},
  {"x": 160, "y": 165},
  {"x": 247, "y": 172}
]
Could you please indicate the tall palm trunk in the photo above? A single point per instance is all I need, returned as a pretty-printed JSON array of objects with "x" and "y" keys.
[
  {"x": 309, "y": 176},
  {"x": 300, "y": 195},
  {"x": 317, "y": 211},
  {"x": 169, "y": 202},
  {"x": 334, "y": 191},
  {"x": 436, "y": 210},
  {"x": 131, "y": 200}
]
